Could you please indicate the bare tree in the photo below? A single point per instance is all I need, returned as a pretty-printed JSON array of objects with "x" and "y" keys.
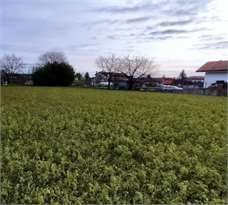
[
  {"x": 136, "y": 67},
  {"x": 11, "y": 64},
  {"x": 52, "y": 57},
  {"x": 110, "y": 65}
]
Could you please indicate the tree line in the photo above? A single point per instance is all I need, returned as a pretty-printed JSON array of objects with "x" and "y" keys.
[
  {"x": 51, "y": 69},
  {"x": 131, "y": 67},
  {"x": 54, "y": 69}
]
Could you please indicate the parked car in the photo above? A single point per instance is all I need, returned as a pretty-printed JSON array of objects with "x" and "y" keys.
[{"x": 167, "y": 88}]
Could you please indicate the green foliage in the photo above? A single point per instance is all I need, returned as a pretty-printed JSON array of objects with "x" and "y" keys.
[
  {"x": 82, "y": 146},
  {"x": 87, "y": 79},
  {"x": 54, "y": 74},
  {"x": 78, "y": 76}
]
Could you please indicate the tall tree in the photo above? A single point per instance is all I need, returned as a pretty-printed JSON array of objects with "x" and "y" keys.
[
  {"x": 182, "y": 77},
  {"x": 136, "y": 67},
  {"x": 87, "y": 78},
  {"x": 109, "y": 65},
  {"x": 11, "y": 64},
  {"x": 52, "y": 57},
  {"x": 54, "y": 74},
  {"x": 78, "y": 76}
]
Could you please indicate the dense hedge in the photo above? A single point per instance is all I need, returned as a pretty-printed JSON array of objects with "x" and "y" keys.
[
  {"x": 54, "y": 74},
  {"x": 71, "y": 146}
]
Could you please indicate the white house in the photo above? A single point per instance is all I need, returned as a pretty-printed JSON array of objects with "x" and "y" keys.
[{"x": 215, "y": 71}]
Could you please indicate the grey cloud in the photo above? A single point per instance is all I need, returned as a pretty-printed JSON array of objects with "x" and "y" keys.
[
  {"x": 104, "y": 21},
  {"x": 210, "y": 41},
  {"x": 166, "y": 37},
  {"x": 175, "y": 23},
  {"x": 86, "y": 45},
  {"x": 111, "y": 37},
  {"x": 215, "y": 45},
  {"x": 165, "y": 7},
  {"x": 132, "y": 8},
  {"x": 132, "y": 34},
  {"x": 118, "y": 21},
  {"x": 185, "y": 8},
  {"x": 118, "y": 9},
  {"x": 211, "y": 38},
  {"x": 183, "y": 12},
  {"x": 161, "y": 37},
  {"x": 32, "y": 27},
  {"x": 169, "y": 31},
  {"x": 139, "y": 19},
  {"x": 149, "y": 28},
  {"x": 175, "y": 31}
]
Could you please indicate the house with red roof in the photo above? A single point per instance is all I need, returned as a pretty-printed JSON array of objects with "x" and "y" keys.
[
  {"x": 215, "y": 72},
  {"x": 168, "y": 81}
]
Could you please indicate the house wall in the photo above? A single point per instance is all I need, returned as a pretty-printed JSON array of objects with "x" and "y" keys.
[{"x": 212, "y": 77}]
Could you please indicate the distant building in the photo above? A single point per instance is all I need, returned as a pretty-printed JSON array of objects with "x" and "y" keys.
[
  {"x": 103, "y": 76},
  {"x": 195, "y": 79},
  {"x": 120, "y": 80},
  {"x": 194, "y": 82},
  {"x": 168, "y": 81},
  {"x": 148, "y": 81},
  {"x": 215, "y": 72},
  {"x": 16, "y": 79},
  {"x": 117, "y": 80}
]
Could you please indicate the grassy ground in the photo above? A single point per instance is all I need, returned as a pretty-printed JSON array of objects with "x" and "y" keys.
[{"x": 68, "y": 146}]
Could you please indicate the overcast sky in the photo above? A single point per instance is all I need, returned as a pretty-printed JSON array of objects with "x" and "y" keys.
[{"x": 177, "y": 34}]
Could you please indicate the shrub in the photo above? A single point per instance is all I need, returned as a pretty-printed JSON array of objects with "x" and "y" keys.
[{"x": 54, "y": 74}]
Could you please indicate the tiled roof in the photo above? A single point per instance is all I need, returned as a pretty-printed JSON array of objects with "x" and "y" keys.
[
  {"x": 168, "y": 81},
  {"x": 214, "y": 66}
]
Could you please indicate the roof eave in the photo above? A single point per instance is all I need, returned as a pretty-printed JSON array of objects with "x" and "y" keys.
[{"x": 204, "y": 71}]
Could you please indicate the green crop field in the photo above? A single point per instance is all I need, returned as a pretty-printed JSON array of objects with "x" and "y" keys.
[{"x": 85, "y": 146}]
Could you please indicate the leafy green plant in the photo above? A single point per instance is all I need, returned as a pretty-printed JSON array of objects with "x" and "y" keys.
[{"x": 82, "y": 146}]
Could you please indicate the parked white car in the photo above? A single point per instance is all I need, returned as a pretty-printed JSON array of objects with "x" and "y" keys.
[
  {"x": 104, "y": 84},
  {"x": 168, "y": 88}
]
